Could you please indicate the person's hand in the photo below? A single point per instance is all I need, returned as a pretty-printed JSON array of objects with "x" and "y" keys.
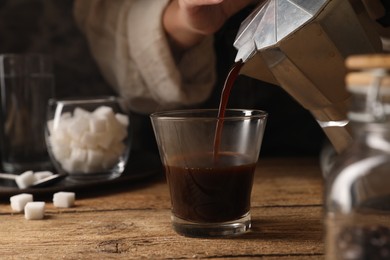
[
  {"x": 188, "y": 21},
  {"x": 207, "y": 16}
]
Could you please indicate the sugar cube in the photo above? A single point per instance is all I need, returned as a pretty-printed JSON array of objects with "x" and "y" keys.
[
  {"x": 86, "y": 138},
  {"x": 72, "y": 165},
  {"x": 104, "y": 140},
  {"x": 18, "y": 202},
  {"x": 77, "y": 127},
  {"x": 97, "y": 125},
  {"x": 34, "y": 210},
  {"x": 123, "y": 119},
  {"x": 40, "y": 175},
  {"x": 78, "y": 154},
  {"x": 66, "y": 115},
  {"x": 89, "y": 140},
  {"x": 61, "y": 152},
  {"x": 25, "y": 179},
  {"x": 94, "y": 157},
  {"x": 104, "y": 111},
  {"x": 63, "y": 199},
  {"x": 81, "y": 112}
]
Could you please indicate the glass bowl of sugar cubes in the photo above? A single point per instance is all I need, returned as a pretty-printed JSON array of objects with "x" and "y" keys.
[{"x": 88, "y": 139}]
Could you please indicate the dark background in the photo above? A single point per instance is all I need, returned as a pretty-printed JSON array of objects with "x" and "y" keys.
[{"x": 47, "y": 26}]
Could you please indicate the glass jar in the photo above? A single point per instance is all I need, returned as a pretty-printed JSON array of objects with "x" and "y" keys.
[
  {"x": 357, "y": 197},
  {"x": 88, "y": 139}
]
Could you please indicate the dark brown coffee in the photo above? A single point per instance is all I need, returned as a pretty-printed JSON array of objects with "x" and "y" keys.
[
  {"x": 230, "y": 79},
  {"x": 211, "y": 191}
]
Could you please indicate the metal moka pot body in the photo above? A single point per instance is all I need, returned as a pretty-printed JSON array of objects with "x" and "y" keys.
[{"x": 301, "y": 45}]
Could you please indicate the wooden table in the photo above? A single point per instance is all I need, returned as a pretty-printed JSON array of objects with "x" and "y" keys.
[{"x": 132, "y": 221}]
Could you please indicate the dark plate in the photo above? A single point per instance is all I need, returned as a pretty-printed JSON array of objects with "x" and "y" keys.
[{"x": 141, "y": 165}]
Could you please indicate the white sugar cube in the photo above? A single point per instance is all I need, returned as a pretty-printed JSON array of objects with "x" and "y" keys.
[
  {"x": 89, "y": 140},
  {"x": 63, "y": 199},
  {"x": 61, "y": 152},
  {"x": 42, "y": 175},
  {"x": 54, "y": 124},
  {"x": 81, "y": 112},
  {"x": 59, "y": 136},
  {"x": 123, "y": 119},
  {"x": 25, "y": 179},
  {"x": 34, "y": 210},
  {"x": 78, "y": 154},
  {"x": 77, "y": 127},
  {"x": 104, "y": 111},
  {"x": 97, "y": 125},
  {"x": 116, "y": 130},
  {"x": 66, "y": 115},
  {"x": 104, "y": 140},
  {"x": 67, "y": 165},
  {"x": 60, "y": 123},
  {"x": 76, "y": 144},
  {"x": 92, "y": 168},
  {"x": 72, "y": 165},
  {"x": 18, "y": 202},
  {"x": 94, "y": 157}
]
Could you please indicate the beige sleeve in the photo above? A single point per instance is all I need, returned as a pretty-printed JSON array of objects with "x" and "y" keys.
[{"x": 129, "y": 44}]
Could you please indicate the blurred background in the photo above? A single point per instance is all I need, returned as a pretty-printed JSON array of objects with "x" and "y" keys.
[{"x": 47, "y": 26}]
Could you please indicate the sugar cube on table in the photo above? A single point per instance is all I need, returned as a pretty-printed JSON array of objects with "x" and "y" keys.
[
  {"x": 18, "y": 202},
  {"x": 63, "y": 199},
  {"x": 40, "y": 175},
  {"x": 25, "y": 179},
  {"x": 34, "y": 210}
]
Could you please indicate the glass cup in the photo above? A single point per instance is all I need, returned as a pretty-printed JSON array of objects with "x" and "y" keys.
[
  {"x": 88, "y": 139},
  {"x": 209, "y": 165},
  {"x": 27, "y": 83}
]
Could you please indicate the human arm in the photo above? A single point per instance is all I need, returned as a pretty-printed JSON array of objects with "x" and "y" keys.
[
  {"x": 133, "y": 46},
  {"x": 129, "y": 44},
  {"x": 187, "y": 22}
]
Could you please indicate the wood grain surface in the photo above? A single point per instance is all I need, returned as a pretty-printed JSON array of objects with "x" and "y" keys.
[{"x": 132, "y": 221}]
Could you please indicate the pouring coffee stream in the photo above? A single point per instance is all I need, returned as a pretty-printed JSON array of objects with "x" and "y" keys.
[{"x": 229, "y": 82}]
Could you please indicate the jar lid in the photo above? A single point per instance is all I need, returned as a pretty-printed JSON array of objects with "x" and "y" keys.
[
  {"x": 359, "y": 82},
  {"x": 368, "y": 71},
  {"x": 369, "y": 61},
  {"x": 369, "y": 82}
]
